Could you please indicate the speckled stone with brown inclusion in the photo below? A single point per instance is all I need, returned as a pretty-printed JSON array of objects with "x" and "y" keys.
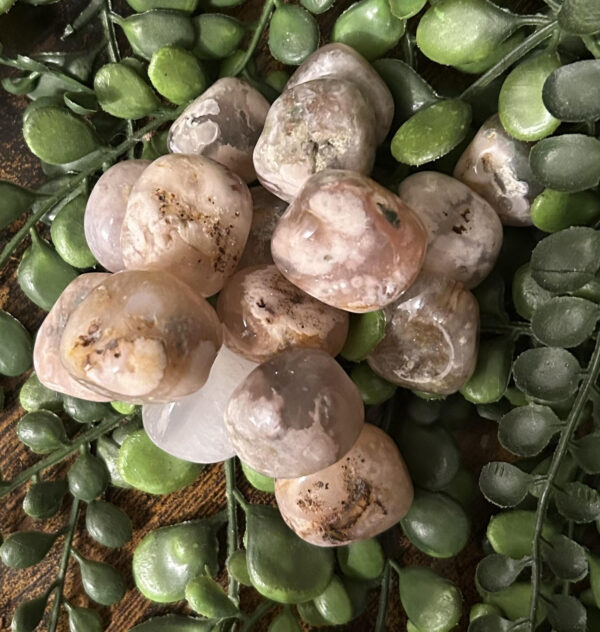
[
  {"x": 366, "y": 492},
  {"x": 349, "y": 242},
  {"x": 190, "y": 216},
  {"x": 263, "y": 313}
]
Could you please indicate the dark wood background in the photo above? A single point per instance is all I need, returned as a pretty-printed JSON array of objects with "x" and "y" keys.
[{"x": 26, "y": 29}]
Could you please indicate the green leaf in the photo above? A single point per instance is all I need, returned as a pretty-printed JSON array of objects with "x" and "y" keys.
[
  {"x": 511, "y": 532},
  {"x": 565, "y": 321},
  {"x": 548, "y": 374},
  {"x": 527, "y": 294},
  {"x": 497, "y": 572},
  {"x": 578, "y": 502},
  {"x": 527, "y": 430},
  {"x": 293, "y": 34},
  {"x": 504, "y": 484},
  {"x": 572, "y": 92},
  {"x": 365, "y": 333},
  {"x": 581, "y": 17},
  {"x": 492, "y": 372},
  {"x": 490, "y": 623},
  {"x": 552, "y": 211},
  {"x": 566, "y": 558},
  {"x": 586, "y": 451},
  {"x": 566, "y": 614},
  {"x": 174, "y": 623}
]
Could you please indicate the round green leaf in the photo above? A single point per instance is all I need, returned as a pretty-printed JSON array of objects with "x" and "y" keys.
[
  {"x": 567, "y": 614},
  {"x": 373, "y": 388},
  {"x": 572, "y": 92},
  {"x": 578, "y": 502},
  {"x": 16, "y": 346},
  {"x": 492, "y": 372},
  {"x": 485, "y": 63},
  {"x": 586, "y": 451},
  {"x": 432, "y": 132},
  {"x": 527, "y": 430},
  {"x": 293, "y": 34},
  {"x": 176, "y": 74},
  {"x": 26, "y": 548},
  {"x": 365, "y": 333},
  {"x": 317, "y": 7},
  {"x": 206, "y": 597},
  {"x": 174, "y": 623},
  {"x": 101, "y": 582},
  {"x": 504, "y": 484},
  {"x": 566, "y": 558},
  {"x": 14, "y": 201},
  {"x": 552, "y": 211},
  {"x": 497, "y": 572},
  {"x": 510, "y": 533},
  {"x": 491, "y": 622},
  {"x": 565, "y": 321},
  {"x": 581, "y": 17},
  {"x": 218, "y": 35},
  {"x": 404, "y": 9},
  {"x": 108, "y": 524}
]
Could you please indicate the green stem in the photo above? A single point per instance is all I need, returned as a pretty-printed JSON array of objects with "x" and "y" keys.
[
  {"x": 232, "y": 526},
  {"x": 243, "y": 503},
  {"x": 64, "y": 563},
  {"x": 257, "y": 615},
  {"x": 58, "y": 455},
  {"x": 559, "y": 453},
  {"x": 109, "y": 32},
  {"x": 514, "y": 328},
  {"x": 384, "y": 596},
  {"x": 533, "y": 20},
  {"x": 553, "y": 4},
  {"x": 258, "y": 33},
  {"x": 535, "y": 39}
]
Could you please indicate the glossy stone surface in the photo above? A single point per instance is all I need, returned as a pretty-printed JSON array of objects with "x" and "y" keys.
[
  {"x": 349, "y": 242},
  {"x": 295, "y": 414},
  {"x": 343, "y": 62},
  {"x": 366, "y": 492},
  {"x": 193, "y": 428},
  {"x": 223, "y": 124},
  {"x": 431, "y": 337},
  {"x": 190, "y": 216},
  {"x": 141, "y": 336},
  {"x": 105, "y": 211},
  {"x": 465, "y": 233},
  {"x": 263, "y": 314},
  {"x": 267, "y": 210},
  {"x": 496, "y": 166},
  {"x": 317, "y": 125},
  {"x": 46, "y": 355}
]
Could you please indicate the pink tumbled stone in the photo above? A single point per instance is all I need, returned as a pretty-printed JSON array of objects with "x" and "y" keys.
[
  {"x": 141, "y": 336},
  {"x": 46, "y": 355},
  {"x": 294, "y": 414},
  {"x": 190, "y": 216},
  {"x": 349, "y": 242},
  {"x": 431, "y": 337},
  {"x": 263, "y": 314},
  {"x": 366, "y": 492}
]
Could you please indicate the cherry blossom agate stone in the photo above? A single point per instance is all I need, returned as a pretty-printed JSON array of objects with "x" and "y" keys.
[
  {"x": 431, "y": 337},
  {"x": 46, "y": 355},
  {"x": 193, "y": 428},
  {"x": 342, "y": 62},
  {"x": 349, "y": 242},
  {"x": 465, "y": 233},
  {"x": 294, "y": 414},
  {"x": 141, "y": 336},
  {"x": 190, "y": 216},
  {"x": 223, "y": 124},
  {"x": 496, "y": 166},
  {"x": 366, "y": 492},
  {"x": 267, "y": 209},
  {"x": 105, "y": 211},
  {"x": 320, "y": 124},
  {"x": 263, "y": 313}
]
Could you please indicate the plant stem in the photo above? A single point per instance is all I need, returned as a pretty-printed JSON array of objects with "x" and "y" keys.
[
  {"x": 64, "y": 563},
  {"x": 515, "y": 328},
  {"x": 553, "y": 4},
  {"x": 384, "y": 596},
  {"x": 257, "y": 615},
  {"x": 232, "y": 526},
  {"x": 534, "y": 20},
  {"x": 58, "y": 455},
  {"x": 243, "y": 503},
  {"x": 517, "y": 53},
  {"x": 258, "y": 33},
  {"x": 544, "y": 498}
]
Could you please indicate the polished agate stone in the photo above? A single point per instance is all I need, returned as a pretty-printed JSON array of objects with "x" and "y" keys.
[
  {"x": 193, "y": 428},
  {"x": 349, "y": 242},
  {"x": 190, "y": 216},
  {"x": 294, "y": 414},
  {"x": 46, "y": 356},
  {"x": 263, "y": 313},
  {"x": 431, "y": 337},
  {"x": 366, "y": 492},
  {"x": 105, "y": 211},
  {"x": 317, "y": 125},
  {"x": 223, "y": 124},
  {"x": 342, "y": 62},
  {"x": 267, "y": 210},
  {"x": 465, "y": 233},
  {"x": 496, "y": 166},
  {"x": 141, "y": 336}
]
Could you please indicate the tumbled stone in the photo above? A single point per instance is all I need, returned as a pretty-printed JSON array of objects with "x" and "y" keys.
[
  {"x": 190, "y": 216},
  {"x": 317, "y": 125},
  {"x": 496, "y": 166},
  {"x": 349, "y": 242},
  {"x": 294, "y": 414},
  {"x": 46, "y": 355},
  {"x": 431, "y": 337},
  {"x": 263, "y": 314},
  {"x": 267, "y": 210},
  {"x": 193, "y": 428},
  {"x": 105, "y": 211},
  {"x": 465, "y": 233},
  {"x": 223, "y": 124},
  {"x": 366, "y": 492},
  {"x": 342, "y": 62},
  {"x": 141, "y": 336}
]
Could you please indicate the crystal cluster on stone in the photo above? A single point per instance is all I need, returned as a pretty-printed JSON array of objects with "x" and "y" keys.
[
  {"x": 223, "y": 124},
  {"x": 294, "y": 414},
  {"x": 431, "y": 337},
  {"x": 349, "y": 242},
  {"x": 190, "y": 216},
  {"x": 465, "y": 233},
  {"x": 141, "y": 336},
  {"x": 496, "y": 166},
  {"x": 364, "y": 493},
  {"x": 263, "y": 314}
]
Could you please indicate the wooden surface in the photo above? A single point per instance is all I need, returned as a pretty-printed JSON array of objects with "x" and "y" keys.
[{"x": 478, "y": 442}]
